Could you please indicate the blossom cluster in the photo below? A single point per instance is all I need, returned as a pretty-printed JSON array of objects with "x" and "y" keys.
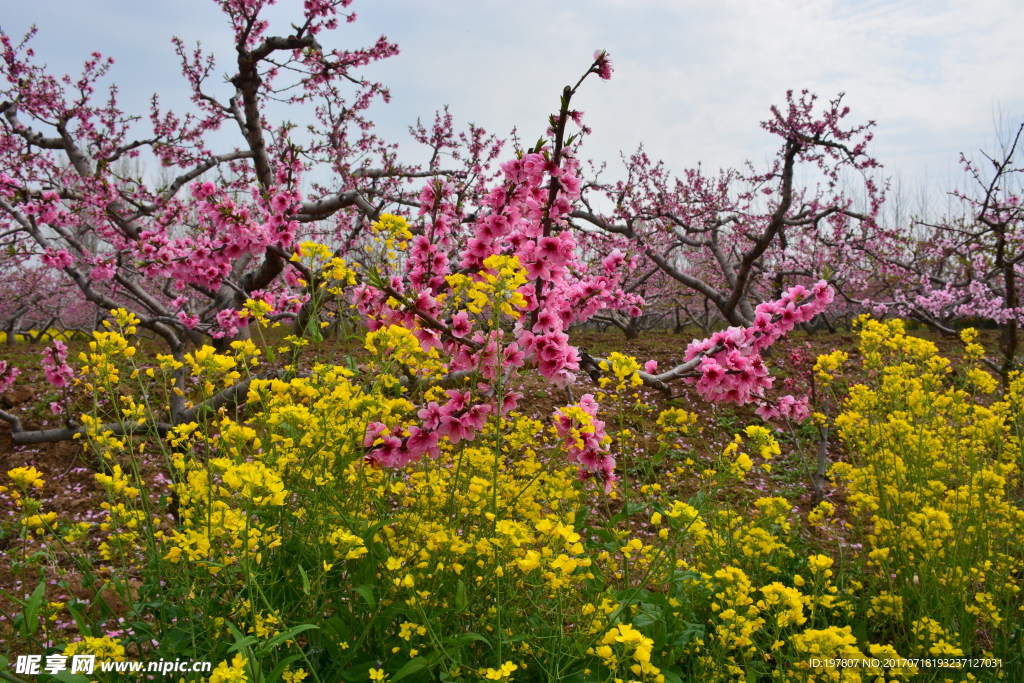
[
  {"x": 584, "y": 439},
  {"x": 8, "y": 374},
  {"x": 732, "y": 369},
  {"x": 58, "y": 372}
]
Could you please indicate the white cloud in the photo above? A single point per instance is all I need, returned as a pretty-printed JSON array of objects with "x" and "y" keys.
[{"x": 692, "y": 79}]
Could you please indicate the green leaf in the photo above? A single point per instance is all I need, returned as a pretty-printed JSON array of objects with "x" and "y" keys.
[
  {"x": 359, "y": 672},
  {"x": 580, "y": 677},
  {"x": 644, "y": 619},
  {"x": 596, "y": 583},
  {"x": 279, "y": 669},
  {"x": 305, "y": 580},
  {"x": 632, "y": 596},
  {"x": 460, "y": 595},
  {"x": 143, "y": 630},
  {"x": 692, "y": 631},
  {"x": 367, "y": 593},
  {"x": 671, "y": 677},
  {"x": 860, "y": 631},
  {"x": 629, "y": 510},
  {"x": 68, "y": 677},
  {"x": 679, "y": 576},
  {"x": 76, "y": 613},
  {"x": 337, "y": 626},
  {"x": 32, "y": 608},
  {"x": 241, "y": 641},
  {"x": 372, "y": 531},
  {"x": 335, "y": 631},
  {"x": 176, "y": 640},
  {"x": 412, "y": 666},
  {"x": 470, "y": 637},
  {"x": 12, "y": 597},
  {"x": 6, "y": 676},
  {"x": 285, "y": 635}
]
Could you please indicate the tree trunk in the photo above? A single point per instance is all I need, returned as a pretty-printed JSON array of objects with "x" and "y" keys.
[{"x": 630, "y": 329}]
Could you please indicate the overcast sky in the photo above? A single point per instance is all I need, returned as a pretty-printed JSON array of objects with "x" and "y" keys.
[{"x": 692, "y": 79}]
